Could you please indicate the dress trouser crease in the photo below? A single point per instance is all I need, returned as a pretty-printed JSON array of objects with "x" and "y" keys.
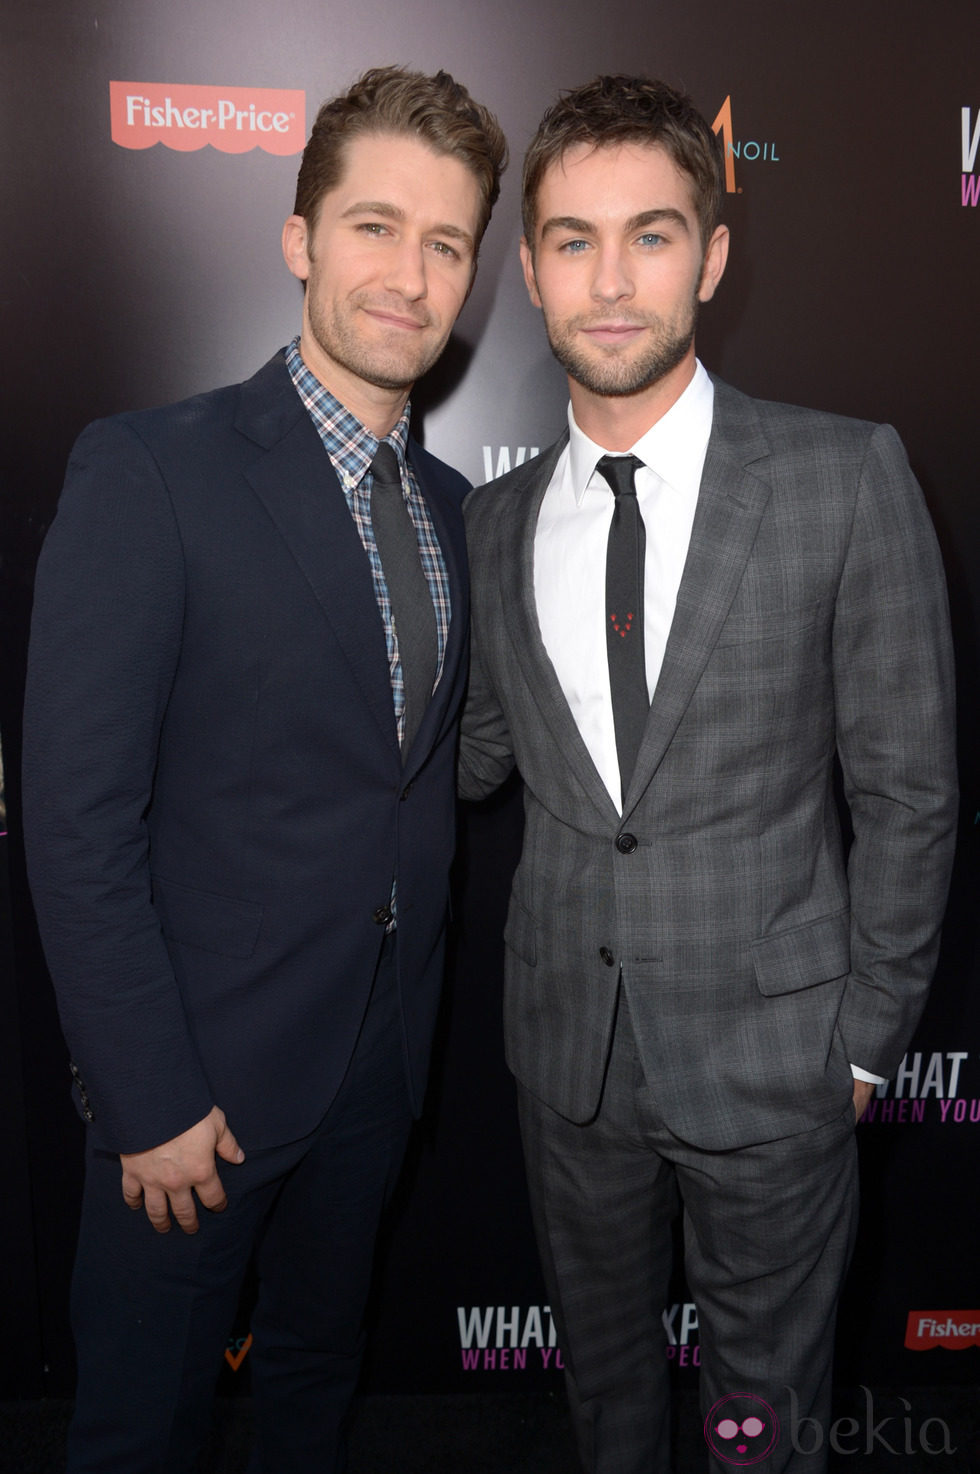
[{"x": 768, "y": 1232}]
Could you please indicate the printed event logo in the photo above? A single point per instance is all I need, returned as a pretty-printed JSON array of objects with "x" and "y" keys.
[
  {"x": 971, "y": 147},
  {"x": 237, "y": 1350},
  {"x": 954, "y": 1329},
  {"x": 929, "y": 1087},
  {"x": 752, "y": 150},
  {"x": 741, "y": 1429},
  {"x": 501, "y": 1337},
  {"x": 516, "y": 1338},
  {"x": 504, "y": 461},
  {"x": 184, "y": 117}
]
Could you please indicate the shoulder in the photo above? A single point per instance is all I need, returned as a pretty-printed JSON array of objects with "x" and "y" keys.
[
  {"x": 257, "y": 407},
  {"x": 826, "y": 474},
  {"x": 795, "y": 433},
  {"x": 137, "y": 468}
]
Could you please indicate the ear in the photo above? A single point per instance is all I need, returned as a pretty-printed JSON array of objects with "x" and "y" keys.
[
  {"x": 527, "y": 264},
  {"x": 294, "y": 246},
  {"x": 715, "y": 260}
]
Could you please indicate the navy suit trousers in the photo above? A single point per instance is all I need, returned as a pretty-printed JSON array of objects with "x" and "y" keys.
[{"x": 152, "y": 1313}]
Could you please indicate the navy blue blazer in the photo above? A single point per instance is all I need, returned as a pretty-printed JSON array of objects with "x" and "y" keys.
[{"x": 215, "y": 802}]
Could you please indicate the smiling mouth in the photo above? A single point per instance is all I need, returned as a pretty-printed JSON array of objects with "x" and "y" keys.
[{"x": 397, "y": 319}]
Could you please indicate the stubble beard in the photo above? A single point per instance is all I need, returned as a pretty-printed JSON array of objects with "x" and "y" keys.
[
  {"x": 611, "y": 373},
  {"x": 395, "y": 368}
]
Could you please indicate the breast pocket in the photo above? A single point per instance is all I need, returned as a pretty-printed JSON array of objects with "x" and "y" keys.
[
  {"x": 777, "y": 658},
  {"x": 776, "y": 625}
]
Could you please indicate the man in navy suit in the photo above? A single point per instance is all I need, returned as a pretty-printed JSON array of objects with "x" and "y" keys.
[{"x": 240, "y": 735}]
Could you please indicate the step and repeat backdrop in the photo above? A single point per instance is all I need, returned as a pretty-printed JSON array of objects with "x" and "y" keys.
[{"x": 149, "y": 158}]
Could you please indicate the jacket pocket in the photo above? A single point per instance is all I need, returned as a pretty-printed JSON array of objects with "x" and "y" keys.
[
  {"x": 773, "y": 624},
  {"x": 201, "y": 919},
  {"x": 803, "y": 956}
]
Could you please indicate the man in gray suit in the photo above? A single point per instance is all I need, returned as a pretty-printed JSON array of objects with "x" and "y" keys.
[{"x": 686, "y": 612}]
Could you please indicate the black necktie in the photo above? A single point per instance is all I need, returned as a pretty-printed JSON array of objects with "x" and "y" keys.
[
  {"x": 625, "y": 554},
  {"x": 411, "y": 602}
]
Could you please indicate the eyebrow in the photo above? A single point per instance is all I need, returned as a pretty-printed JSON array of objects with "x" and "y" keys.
[
  {"x": 389, "y": 211},
  {"x": 635, "y": 222}
]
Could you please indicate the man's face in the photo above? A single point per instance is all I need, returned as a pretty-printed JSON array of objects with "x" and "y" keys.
[
  {"x": 387, "y": 266},
  {"x": 618, "y": 267}
]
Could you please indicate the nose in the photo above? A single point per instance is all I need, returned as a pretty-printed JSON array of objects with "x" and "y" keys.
[
  {"x": 612, "y": 280},
  {"x": 406, "y": 270}
]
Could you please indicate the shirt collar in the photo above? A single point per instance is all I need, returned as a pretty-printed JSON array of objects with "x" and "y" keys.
[
  {"x": 674, "y": 447},
  {"x": 349, "y": 443}
]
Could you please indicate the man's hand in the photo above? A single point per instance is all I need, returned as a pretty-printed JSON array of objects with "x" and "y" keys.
[
  {"x": 863, "y": 1091},
  {"x": 164, "y": 1179}
]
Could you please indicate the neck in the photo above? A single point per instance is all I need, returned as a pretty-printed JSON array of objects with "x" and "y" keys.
[
  {"x": 617, "y": 422},
  {"x": 378, "y": 409}
]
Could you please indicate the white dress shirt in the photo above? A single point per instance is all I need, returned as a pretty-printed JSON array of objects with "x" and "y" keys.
[{"x": 570, "y": 558}]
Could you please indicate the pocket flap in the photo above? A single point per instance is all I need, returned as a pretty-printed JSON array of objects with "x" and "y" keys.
[
  {"x": 804, "y": 955},
  {"x": 196, "y": 918}
]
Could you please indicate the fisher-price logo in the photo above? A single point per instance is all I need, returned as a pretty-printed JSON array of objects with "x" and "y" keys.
[
  {"x": 954, "y": 1329},
  {"x": 232, "y": 119}
]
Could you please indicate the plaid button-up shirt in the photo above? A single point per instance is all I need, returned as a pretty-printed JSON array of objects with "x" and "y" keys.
[{"x": 351, "y": 449}]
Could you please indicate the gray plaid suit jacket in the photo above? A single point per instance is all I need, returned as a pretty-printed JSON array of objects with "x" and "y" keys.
[{"x": 759, "y": 958}]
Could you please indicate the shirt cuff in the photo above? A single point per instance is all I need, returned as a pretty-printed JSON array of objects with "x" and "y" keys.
[{"x": 867, "y": 1076}]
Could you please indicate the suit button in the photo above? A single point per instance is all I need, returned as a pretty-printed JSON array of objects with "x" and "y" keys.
[
  {"x": 626, "y": 843},
  {"x": 607, "y": 956},
  {"x": 407, "y": 790},
  {"x": 382, "y": 916}
]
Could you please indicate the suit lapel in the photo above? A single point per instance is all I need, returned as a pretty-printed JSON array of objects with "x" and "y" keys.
[
  {"x": 730, "y": 506},
  {"x": 297, "y": 485},
  {"x": 517, "y": 582}
]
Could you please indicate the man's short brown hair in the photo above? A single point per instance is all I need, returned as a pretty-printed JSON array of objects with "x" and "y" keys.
[
  {"x": 619, "y": 109},
  {"x": 437, "y": 110}
]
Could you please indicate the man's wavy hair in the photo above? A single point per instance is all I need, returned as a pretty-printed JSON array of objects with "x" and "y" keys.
[
  {"x": 437, "y": 110},
  {"x": 619, "y": 109}
]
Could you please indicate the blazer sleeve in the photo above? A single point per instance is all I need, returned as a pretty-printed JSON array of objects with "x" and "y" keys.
[
  {"x": 105, "y": 642},
  {"x": 486, "y": 754},
  {"x": 893, "y": 682}
]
